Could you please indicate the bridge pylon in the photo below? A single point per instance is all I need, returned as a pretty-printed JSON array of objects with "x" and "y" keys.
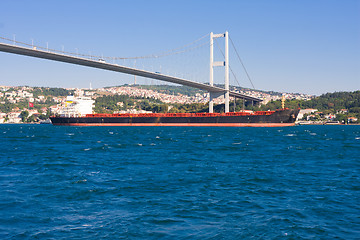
[{"x": 225, "y": 64}]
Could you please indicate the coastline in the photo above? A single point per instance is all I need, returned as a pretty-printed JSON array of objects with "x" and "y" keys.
[{"x": 303, "y": 123}]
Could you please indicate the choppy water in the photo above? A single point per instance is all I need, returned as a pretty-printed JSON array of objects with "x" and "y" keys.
[{"x": 179, "y": 183}]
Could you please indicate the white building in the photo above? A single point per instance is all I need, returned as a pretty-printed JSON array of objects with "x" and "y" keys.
[
  {"x": 2, "y": 117},
  {"x": 77, "y": 107},
  {"x": 14, "y": 117},
  {"x": 305, "y": 111}
]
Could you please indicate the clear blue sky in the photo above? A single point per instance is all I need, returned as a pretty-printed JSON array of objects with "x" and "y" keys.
[{"x": 307, "y": 46}]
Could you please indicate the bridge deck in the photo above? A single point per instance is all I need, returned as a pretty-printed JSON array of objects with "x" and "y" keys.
[{"x": 116, "y": 68}]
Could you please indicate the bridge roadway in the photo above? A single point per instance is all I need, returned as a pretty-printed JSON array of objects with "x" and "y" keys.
[{"x": 116, "y": 68}]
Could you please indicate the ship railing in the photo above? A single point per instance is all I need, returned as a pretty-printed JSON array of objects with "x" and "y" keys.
[
  {"x": 126, "y": 115},
  {"x": 236, "y": 114},
  {"x": 264, "y": 112}
]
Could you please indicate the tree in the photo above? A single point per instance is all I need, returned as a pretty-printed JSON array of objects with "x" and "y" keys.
[
  {"x": 24, "y": 115},
  {"x": 7, "y": 107},
  {"x": 32, "y": 118},
  {"x": 341, "y": 118}
]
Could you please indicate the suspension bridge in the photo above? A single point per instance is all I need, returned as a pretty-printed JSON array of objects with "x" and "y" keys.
[{"x": 100, "y": 63}]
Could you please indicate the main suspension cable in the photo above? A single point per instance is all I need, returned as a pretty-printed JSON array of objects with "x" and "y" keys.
[
  {"x": 174, "y": 51},
  {"x": 247, "y": 74},
  {"x": 217, "y": 44}
]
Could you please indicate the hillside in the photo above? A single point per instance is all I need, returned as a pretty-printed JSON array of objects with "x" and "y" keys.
[
  {"x": 329, "y": 101},
  {"x": 173, "y": 90},
  {"x": 189, "y": 91},
  {"x": 333, "y": 103},
  {"x": 14, "y": 99}
]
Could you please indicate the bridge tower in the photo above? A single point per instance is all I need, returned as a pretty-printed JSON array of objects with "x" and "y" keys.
[{"x": 224, "y": 63}]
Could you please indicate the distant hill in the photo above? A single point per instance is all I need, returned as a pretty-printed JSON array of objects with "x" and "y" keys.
[
  {"x": 327, "y": 103},
  {"x": 189, "y": 91},
  {"x": 336, "y": 101},
  {"x": 330, "y": 102},
  {"x": 172, "y": 89},
  {"x": 46, "y": 91}
]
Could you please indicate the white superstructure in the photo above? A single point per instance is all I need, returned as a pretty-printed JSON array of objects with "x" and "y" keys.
[{"x": 77, "y": 107}]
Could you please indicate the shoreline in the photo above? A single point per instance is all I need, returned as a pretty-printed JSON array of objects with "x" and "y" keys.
[{"x": 296, "y": 124}]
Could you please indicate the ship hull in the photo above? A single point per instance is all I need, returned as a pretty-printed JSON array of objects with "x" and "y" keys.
[{"x": 279, "y": 118}]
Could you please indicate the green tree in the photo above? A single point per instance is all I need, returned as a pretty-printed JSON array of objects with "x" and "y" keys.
[
  {"x": 24, "y": 115},
  {"x": 32, "y": 118},
  {"x": 7, "y": 106},
  {"x": 341, "y": 118}
]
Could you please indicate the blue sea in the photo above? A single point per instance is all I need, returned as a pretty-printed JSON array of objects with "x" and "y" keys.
[{"x": 298, "y": 182}]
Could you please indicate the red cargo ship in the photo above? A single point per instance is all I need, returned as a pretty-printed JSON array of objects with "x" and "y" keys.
[{"x": 278, "y": 118}]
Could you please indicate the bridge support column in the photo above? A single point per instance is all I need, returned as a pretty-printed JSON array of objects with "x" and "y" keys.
[
  {"x": 227, "y": 95},
  {"x": 213, "y": 95},
  {"x": 234, "y": 104},
  {"x": 227, "y": 102},
  {"x": 211, "y": 103},
  {"x": 211, "y": 73},
  {"x": 222, "y": 63}
]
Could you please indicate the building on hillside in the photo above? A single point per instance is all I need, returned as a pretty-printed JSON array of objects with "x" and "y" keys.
[
  {"x": 342, "y": 111},
  {"x": 10, "y": 94},
  {"x": 33, "y": 111},
  {"x": 330, "y": 116},
  {"x": 305, "y": 111},
  {"x": 352, "y": 119},
  {"x": 14, "y": 117},
  {"x": 2, "y": 117},
  {"x": 310, "y": 117}
]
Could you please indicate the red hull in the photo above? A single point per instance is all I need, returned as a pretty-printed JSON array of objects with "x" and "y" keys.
[
  {"x": 280, "y": 118},
  {"x": 183, "y": 124}
]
